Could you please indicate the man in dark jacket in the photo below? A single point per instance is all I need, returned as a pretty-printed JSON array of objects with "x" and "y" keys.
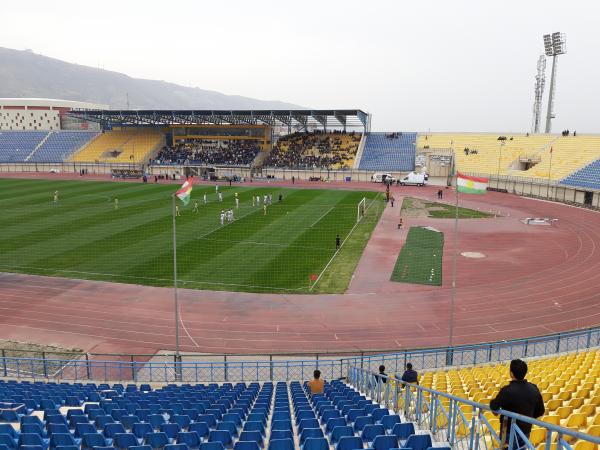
[{"x": 520, "y": 397}]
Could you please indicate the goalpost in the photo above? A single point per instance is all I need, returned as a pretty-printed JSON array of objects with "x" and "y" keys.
[{"x": 361, "y": 209}]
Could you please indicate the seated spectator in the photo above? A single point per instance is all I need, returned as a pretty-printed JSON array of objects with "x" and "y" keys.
[
  {"x": 316, "y": 385},
  {"x": 410, "y": 375}
]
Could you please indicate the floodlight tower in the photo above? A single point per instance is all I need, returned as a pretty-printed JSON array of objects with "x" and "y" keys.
[
  {"x": 554, "y": 44},
  {"x": 540, "y": 83}
]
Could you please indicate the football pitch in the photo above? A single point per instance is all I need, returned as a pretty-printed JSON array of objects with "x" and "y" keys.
[{"x": 85, "y": 234}]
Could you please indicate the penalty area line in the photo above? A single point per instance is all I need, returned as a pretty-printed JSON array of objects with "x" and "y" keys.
[{"x": 338, "y": 250}]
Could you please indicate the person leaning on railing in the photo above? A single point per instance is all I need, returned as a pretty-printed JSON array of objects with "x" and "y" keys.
[{"x": 521, "y": 397}]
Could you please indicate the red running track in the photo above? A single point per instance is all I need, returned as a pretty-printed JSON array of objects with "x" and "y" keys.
[{"x": 534, "y": 280}]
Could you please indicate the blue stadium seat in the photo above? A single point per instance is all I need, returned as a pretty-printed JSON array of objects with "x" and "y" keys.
[
  {"x": 418, "y": 442},
  {"x": 222, "y": 436},
  {"x": 189, "y": 438},
  {"x": 61, "y": 439},
  {"x": 255, "y": 436},
  {"x": 228, "y": 426},
  {"x": 308, "y": 423},
  {"x": 124, "y": 440},
  {"x": 313, "y": 443},
  {"x": 141, "y": 429},
  {"x": 35, "y": 428},
  {"x": 370, "y": 432},
  {"x": 350, "y": 443},
  {"x": 361, "y": 421},
  {"x": 246, "y": 445},
  {"x": 281, "y": 444},
  {"x": 281, "y": 434},
  {"x": 310, "y": 433},
  {"x": 91, "y": 440},
  {"x": 8, "y": 441},
  {"x": 403, "y": 430},
  {"x": 200, "y": 428},
  {"x": 212, "y": 446},
  {"x": 7, "y": 428},
  {"x": 389, "y": 421},
  {"x": 31, "y": 439},
  {"x": 140, "y": 447},
  {"x": 385, "y": 442},
  {"x": 341, "y": 431},
  {"x": 67, "y": 447},
  {"x": 379, "y": 413},
  {"x": 156, "y": 440},
  {"x": 170, "y": 429},
  {"x": 176, "y": 447},
  {"x": 381, "y": 153},
  {"x": 334, "y": 422}
]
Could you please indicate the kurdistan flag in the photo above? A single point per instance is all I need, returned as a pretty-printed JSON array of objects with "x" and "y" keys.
[
  {"x": 185, "y": 191},
  {"x": 471, "y": 185}
]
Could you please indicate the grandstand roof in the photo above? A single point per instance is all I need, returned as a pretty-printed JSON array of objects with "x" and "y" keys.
[{"x": 297, "y": 118}]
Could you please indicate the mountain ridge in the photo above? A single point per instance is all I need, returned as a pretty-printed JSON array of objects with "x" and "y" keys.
[{"x": 27, "y": 74}]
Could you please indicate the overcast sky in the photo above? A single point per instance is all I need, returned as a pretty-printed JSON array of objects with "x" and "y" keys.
[{"x": 456, "y": 65}]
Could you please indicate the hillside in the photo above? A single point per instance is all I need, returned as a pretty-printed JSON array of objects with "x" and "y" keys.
[{"x": 26, "y": 74}]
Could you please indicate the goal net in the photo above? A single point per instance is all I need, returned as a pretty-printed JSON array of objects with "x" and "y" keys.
[{"x": 362, "y": 208}]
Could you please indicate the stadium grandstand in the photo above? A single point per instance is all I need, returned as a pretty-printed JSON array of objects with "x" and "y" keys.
[{"x": 335, "y": 150}]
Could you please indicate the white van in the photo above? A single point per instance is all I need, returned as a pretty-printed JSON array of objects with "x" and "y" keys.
[
  {"x": 380, "y": 177},
  {"x": 414, "y": 179}
]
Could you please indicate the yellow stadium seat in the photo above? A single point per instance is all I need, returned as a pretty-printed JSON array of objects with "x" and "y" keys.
[
  {"x": 487, "y": 155},
  {"x": 551, "y": 418},
  {"x": 564, "y": 411},
  {"x": 593, "y": 430},
  {"x": 588, "y": 410},
  {"x": 576, "y": 402},
  {"x": 553, "y": 404},
  {"x": 576, "y": 420},
  {"x": 537, "y": 436},
  {"x": 585, "y": 445}
]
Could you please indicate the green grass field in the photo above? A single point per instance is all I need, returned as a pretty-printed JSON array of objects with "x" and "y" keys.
[
  {"x": 438, "y": 210},
  {"x": 420, "y": 260},
  {"x": 84, "y": 236}
]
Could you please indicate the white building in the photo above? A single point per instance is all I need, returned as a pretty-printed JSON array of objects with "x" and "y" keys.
[{"x": 45, "y": 114}]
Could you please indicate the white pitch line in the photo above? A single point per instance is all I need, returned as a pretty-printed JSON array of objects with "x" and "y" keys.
[
  {"x": 319, "y": 219},
  {"x": 187, "y": 332},
  {"x": 338, "y": 250}
]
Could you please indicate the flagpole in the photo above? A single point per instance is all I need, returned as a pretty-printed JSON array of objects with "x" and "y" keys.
[
  {"x": 176, "y": 299},
  {"x": 454, "y": 260},
  {"x": 549, "y": 174}
]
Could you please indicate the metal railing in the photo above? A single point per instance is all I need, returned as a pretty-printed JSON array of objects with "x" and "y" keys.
[
  {"x": 166, "y": 368},
  {"x": 464, "y": 424}
]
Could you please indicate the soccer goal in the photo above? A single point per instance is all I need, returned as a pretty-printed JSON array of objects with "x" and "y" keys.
[{"x": 362, "y": 208}]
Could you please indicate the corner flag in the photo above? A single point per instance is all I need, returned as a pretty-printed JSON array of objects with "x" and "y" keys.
[{"x": 185, "y": 191}]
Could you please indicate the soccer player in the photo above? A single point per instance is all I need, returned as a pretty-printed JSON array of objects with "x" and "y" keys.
[
  {"x": 216, "y": 188},
  {"x": 55, "y": 196},
  {"x": 222, "y": 217},
  {"x": 338, "y": 242},
  {"x": 231, "y": 213},
  {"x": 220, "y": 196},
  {"x": 205, "y": 201},
  {"x": 253, "y": 201},
  {"x": 177, "y": 213},
  {"x": 116, "y": 203},
  {"x": 195, "y": 208},
  {"x": 280, "y": 198},
  {"x": 265, "y": 199},
  {"x": 237, "y": 201},
  {"x": 258, "y": 200},
  {"x": 264, "y": 209}
]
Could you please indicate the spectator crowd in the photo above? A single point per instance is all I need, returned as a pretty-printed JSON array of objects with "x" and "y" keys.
[
  {"x": 223, "y": 152},
  {"x": 318, "y": 149}
]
